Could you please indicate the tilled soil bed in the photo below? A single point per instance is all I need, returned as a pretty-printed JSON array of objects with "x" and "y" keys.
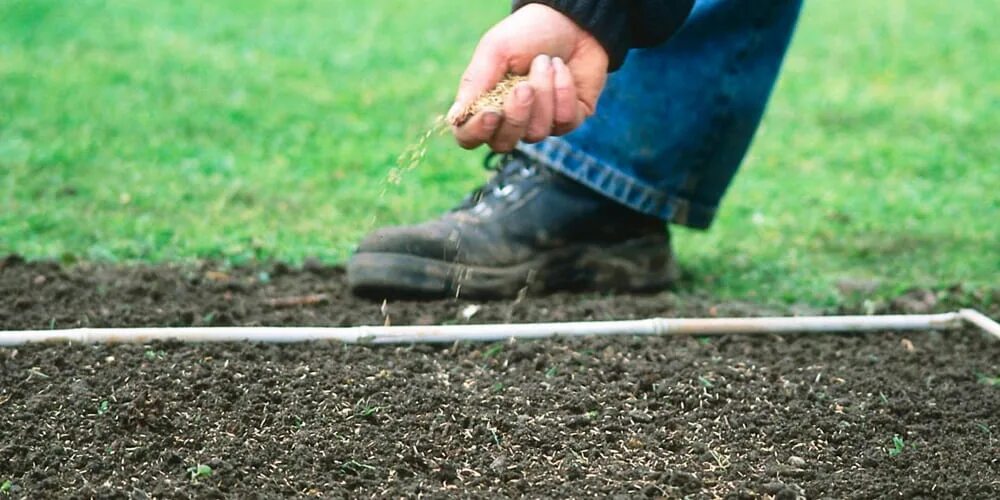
[{"x": 880, "y": 415}]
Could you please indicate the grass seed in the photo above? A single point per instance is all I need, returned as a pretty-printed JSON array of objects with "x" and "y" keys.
[
  {"x": 493, "y": 99},
  {"x": 414, "y": 153}
]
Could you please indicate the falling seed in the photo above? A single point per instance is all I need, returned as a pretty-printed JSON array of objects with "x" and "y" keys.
[
  {"x": 385, "y": 312},
  {"x": 414, "y": 154}
]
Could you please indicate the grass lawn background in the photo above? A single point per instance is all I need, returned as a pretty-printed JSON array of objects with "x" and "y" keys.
[{"x": 240, "y": 130}]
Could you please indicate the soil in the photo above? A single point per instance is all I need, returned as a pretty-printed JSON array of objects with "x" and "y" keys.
[{"x": 879, "y": 415}]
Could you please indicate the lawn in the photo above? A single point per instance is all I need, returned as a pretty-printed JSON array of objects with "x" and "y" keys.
[{"x": 265, "y": 129}]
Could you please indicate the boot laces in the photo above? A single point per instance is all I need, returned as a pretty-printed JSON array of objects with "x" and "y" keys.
[{"x": 509, "y": 168}]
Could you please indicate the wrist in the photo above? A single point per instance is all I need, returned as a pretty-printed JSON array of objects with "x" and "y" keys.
[{"x": 605, "y": 26}]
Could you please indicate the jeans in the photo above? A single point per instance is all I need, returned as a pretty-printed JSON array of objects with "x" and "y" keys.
[{"x": 674, "y": 123}]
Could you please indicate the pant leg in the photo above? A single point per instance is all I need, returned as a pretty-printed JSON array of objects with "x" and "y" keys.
[{"x": 674, "y": 123}]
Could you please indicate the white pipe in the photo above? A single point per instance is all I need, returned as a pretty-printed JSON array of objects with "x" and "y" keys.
[
  {"x": 982, "y": 321},
  {"x": 484, "y": 333}
]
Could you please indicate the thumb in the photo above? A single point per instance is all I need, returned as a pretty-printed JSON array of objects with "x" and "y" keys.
[{"x": 484, "y": 72}]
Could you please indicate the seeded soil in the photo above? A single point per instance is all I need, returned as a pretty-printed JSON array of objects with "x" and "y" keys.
[{"x": 903, "y": 415}]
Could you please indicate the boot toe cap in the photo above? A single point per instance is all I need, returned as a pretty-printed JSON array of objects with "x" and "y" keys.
[{"x": 425, "y": 240}]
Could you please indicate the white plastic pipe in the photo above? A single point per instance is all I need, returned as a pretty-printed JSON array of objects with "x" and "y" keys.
[
  {"x": 486, "y": 333},
  {"x": 979, "y": 319}
]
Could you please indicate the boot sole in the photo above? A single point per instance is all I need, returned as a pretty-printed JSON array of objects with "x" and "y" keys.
[{"x": 640, "y": 265}]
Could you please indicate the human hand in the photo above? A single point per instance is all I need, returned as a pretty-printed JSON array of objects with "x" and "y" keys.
[{"x": 566, "y": 67}]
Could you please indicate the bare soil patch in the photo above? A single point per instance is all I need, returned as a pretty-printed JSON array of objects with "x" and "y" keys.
[{"x": 744, "y": 417}]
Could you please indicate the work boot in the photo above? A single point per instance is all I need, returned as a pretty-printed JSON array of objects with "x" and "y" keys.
[{"x": 527, "y": 230}]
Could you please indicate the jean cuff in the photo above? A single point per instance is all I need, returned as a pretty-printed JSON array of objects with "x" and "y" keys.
[{"x": 557, "y": 154}]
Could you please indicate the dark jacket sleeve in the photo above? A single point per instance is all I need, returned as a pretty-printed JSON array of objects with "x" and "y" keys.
[{"x": 620, "y": 25}]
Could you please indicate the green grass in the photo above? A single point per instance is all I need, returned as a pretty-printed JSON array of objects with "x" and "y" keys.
[
  {"x": 988, "y": 380},
  {"x": 898, "y": 445},
  {"x": 152, "y": 131},
  {"x": 200, "y": 471}
]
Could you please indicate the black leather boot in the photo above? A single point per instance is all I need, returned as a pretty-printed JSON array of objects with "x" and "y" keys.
[{"x": 529, "y": 228}]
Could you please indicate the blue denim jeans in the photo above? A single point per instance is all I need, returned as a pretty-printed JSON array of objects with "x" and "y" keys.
[{"x": 674, "y": 123}]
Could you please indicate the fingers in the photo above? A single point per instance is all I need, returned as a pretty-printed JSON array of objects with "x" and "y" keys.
[
  {"x": 567, "y": 112},
  {"x": 547, "y": 104},
  {"x": 523, "y": 116},
  {"x": 485, "y": 70},
  {"x": 516, "y": 118},
  {"x": 479, "y": 129},
  {"x": 543, "y": 110}
]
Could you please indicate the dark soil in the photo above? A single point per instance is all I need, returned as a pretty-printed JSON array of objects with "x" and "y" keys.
[{"x": 748, "y": 417}]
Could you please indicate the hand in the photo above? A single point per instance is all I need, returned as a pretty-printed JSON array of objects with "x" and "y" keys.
[{"x": 566, "y": 67}]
